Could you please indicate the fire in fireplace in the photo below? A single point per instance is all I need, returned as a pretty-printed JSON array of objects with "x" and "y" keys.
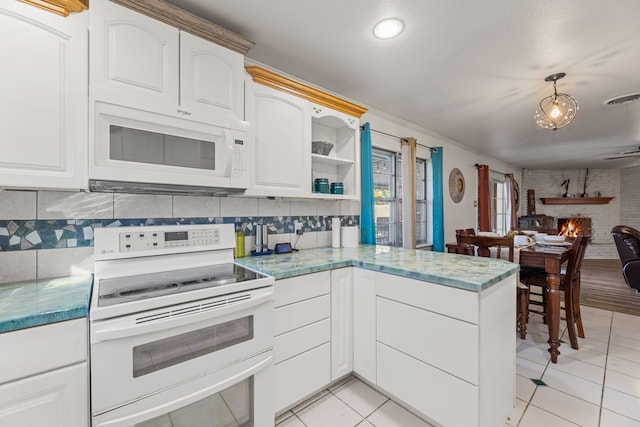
[{"x": 575, "y": 226}]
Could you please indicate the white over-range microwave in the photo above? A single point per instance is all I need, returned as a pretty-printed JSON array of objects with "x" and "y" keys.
[{"x": 137, "y": 151}]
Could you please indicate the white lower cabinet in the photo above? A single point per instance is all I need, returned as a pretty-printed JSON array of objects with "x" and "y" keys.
[
  {"x": 54, "y": 399},
  {"x": 433, "y": 348},
  {"x": 341, "y": 322},
  {"x": 302, "y": 323},
  {"x": 44, "y": 379},
  {"x": 440, "y": 355},
  {"x": 364, "y": 324}
]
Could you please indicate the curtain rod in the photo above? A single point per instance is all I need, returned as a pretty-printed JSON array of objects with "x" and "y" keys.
[
  {"x": 432, "y": 149},
  {"x": 477, "y": 165}
]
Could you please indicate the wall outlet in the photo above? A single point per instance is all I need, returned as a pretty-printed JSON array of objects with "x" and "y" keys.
[{"x": 297, "y": 227}]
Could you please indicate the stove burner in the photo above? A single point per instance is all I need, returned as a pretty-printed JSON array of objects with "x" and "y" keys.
[{"x": 132, "y": 288}]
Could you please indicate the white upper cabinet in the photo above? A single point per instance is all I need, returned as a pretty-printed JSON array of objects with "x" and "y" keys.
[
  {"x": 284, "y": 128},
  {"x": 44, "y": 98},
  {"x": 134, "y": 59},
  {"x": 211, "y": 79},
  {"x": 279, "y": 155},
  {"x": 137, "y": 61}
]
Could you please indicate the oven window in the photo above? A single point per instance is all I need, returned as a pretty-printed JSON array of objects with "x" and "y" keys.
[
  {"x": 157, "y": 355},
  {"x": 134, "y": 145},
  {"x": 232, "y": 407}
]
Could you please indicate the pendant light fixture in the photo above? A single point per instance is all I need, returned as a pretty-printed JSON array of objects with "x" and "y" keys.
[{"x": 557, "y": 110}]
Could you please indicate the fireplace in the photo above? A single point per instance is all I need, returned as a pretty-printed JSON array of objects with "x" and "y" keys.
[{"x": 575, "y": 226}]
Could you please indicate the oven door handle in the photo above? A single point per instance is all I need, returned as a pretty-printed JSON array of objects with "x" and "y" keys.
[
  {"x": 181, "y": 402},
  {"x": 127, "y": 327}
]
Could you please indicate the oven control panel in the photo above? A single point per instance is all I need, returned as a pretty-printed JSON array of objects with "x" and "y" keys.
[{"x": 143, "y": 240}]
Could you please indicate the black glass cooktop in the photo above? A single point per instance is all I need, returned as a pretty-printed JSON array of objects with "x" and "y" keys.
[{"x": 143, "y": 286}]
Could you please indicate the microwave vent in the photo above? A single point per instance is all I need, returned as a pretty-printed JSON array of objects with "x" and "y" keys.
[{"x": 105, "y": 186}]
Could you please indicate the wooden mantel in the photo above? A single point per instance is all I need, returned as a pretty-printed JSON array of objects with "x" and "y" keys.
[{"x": 576, "y": 200}]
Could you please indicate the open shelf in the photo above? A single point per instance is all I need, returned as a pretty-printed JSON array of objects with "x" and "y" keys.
[
  {"x": 576, "y": 200},
  {"x": 333, "y": 161}
]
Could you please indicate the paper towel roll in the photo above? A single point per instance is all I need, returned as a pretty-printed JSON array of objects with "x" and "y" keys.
[
  {"x": 335, "y": 232},
  {"x": 350, "y": 236}
]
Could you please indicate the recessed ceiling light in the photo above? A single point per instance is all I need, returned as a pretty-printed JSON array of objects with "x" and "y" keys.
[{"x": 388, "y": 28}]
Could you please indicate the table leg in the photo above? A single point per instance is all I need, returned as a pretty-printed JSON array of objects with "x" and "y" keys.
[{"x": 553, "y": 314}]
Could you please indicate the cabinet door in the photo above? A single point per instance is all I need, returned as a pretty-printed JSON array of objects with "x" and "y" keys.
[
  {"x": 341, "y": 322},
  {"x": 55, "y": 399},
  {"x": 364, "y": 324},
  {"x": 134, "y": 59},
  {"x": 279, "y": 139},
  {"x": 211, "y": 81},
  {"x": 44, "y": 99}
]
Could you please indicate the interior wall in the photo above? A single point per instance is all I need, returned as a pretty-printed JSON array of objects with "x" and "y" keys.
[
  {"x": 630, "y": 197},
  {"x": 456, "y": 215}
]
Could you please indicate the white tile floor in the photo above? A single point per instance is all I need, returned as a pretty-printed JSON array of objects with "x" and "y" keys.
[{"x": 596, "y": 386}]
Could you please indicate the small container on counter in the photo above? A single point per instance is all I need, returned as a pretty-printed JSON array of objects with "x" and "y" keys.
[{"x": 239, "y": 250}]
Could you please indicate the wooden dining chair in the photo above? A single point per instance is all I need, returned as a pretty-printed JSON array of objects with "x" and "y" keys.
[
  {"x": 485, "y": 243},
  {"x": 569, "y": 284},
  {"x": 481, "y": 245}
]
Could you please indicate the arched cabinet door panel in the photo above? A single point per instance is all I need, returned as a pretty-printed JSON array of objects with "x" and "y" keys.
[
  {"x": 134, "y": 58},
  {"x": 44, "y": 98}
]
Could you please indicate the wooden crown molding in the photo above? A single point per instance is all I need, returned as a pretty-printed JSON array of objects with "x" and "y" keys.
[
  {"x": 276, "y": 81},
  {"x": 61, "y": 7},
  {"x": 179, "y": 18}
]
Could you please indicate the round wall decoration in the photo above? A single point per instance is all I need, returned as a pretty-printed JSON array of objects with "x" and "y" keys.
[{"x": 456, "y": 185}]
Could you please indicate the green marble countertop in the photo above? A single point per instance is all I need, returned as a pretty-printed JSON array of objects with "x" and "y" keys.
[
  {"x": 460, "y": 271},
  {"x": 44, "y": 301}
]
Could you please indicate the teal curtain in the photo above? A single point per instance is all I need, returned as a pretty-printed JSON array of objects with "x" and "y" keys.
[
  {"x": 367, "y": 221},
  {"x": 438, "y": 201}
]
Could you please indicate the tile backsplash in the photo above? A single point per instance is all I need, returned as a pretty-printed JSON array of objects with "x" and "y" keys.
[{"x": 50, "y": 234}]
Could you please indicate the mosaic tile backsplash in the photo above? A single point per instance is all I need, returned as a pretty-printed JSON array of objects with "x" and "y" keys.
[{"x": 19, "y": 235}]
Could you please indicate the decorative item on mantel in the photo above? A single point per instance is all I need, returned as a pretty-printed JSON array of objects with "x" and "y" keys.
[
  {"x": 565, "y": 183},
  {"x": 584, "y": 184}
]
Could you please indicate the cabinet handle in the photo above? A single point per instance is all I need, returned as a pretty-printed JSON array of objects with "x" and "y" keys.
[{"x": 184, "y": 113}]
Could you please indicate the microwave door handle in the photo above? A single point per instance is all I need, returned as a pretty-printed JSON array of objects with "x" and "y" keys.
[
  {"x": 112, "y": 331},
  {"x": 228, "y": 152},
  {"x": 185, "y": 400}
]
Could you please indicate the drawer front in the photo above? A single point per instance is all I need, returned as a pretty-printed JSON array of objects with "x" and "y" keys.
[
  {"x": 34, "y": 350},
  {"x": 441, "y": 299},
  {"x": 294, "y": 316},
  {"x": 427, "y": 389},
  {"x": 300, "y": 340},
  {"x": 300, "y": 288},
  {"x": 301, "y": 376},
  {"x": 448, "y": 344}
]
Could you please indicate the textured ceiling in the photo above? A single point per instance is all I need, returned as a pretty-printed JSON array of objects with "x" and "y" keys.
[{"x": 471, "y": 71}]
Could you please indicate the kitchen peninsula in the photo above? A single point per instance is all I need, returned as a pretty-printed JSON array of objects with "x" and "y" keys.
[{"x": 434, "y": 331}]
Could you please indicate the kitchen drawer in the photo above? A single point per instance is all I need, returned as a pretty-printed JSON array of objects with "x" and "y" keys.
[
  {"x": 448, "y": 344},
  {"x": 301, "y": 288},
  {"x": 294, "y": 316},
  {"x": 302, "y": 339},
  {"x": 301, "y": 376},
  {"x": 31, "y": 351},
  {"x": 427, "y": 389},
  {"x": 442, "y": 299}
]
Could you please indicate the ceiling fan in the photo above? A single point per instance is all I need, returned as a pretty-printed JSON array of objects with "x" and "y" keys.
[{"x": 626, "y": 154}]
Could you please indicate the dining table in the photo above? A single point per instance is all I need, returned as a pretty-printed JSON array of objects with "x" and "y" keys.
[{"x": 549, "y": 258}]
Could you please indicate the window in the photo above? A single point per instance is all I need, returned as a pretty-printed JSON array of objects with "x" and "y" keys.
[
  {"x": 387, "y": 192},
  {"x": 498, "y": 196}
]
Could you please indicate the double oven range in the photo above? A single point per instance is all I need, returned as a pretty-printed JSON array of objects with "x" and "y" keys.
[{"x": 180, "y": 335}]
